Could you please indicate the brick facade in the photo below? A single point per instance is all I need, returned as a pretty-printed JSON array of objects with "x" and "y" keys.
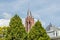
[{"x": 29, "y": 21}]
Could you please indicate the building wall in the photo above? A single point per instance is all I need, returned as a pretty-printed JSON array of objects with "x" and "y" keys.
[{"x": 54, "y": 33}]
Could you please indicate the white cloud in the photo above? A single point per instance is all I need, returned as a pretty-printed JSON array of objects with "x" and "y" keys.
[
  {"x": 23, "y": 21},
  {"x": 4, "y": 22}
]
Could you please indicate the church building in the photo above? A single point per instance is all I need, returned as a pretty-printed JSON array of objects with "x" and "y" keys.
[
  {"x": 53, "y": 32},
  {"x": 29, "y": 21}
]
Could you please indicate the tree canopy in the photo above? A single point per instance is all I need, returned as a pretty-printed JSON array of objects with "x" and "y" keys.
[
  {"x": 37, "y": 32},
  {"x": 16, "y": 31}
]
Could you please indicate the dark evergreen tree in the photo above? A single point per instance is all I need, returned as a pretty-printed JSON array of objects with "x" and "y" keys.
[
  {"x": 16, "y": 31},
  {"x": 37, "y": 32}
]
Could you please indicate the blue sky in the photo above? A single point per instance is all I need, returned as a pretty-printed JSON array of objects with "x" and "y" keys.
[{"x": 45, "y": 10}]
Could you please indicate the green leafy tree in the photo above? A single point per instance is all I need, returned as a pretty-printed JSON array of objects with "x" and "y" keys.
[
  {"x": 3, "y": 32},
  {"x": 16, "y": 31},
  {"x": 37, "y": 32}
]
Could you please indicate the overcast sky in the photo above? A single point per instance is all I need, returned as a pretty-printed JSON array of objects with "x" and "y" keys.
[{"x": 45, "y": 10}]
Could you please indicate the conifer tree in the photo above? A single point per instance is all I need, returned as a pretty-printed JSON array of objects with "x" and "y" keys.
[
  {"x": 37, "y": 32},
  {"x": 16, "y": 31}
]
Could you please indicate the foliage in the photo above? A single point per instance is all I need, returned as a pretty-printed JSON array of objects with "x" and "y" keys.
[
  {"x": 3, "y": 32},
  {"x": 16, "y": 31},
  {"x": 37, "y": 32}
]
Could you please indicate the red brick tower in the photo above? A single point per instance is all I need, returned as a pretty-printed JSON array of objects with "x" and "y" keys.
[{"x": 29, "y": 21}]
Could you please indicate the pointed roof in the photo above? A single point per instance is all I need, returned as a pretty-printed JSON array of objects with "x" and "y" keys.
[
  {"x": 48, "y": 27},
  {"x": 29, "y": 13}
]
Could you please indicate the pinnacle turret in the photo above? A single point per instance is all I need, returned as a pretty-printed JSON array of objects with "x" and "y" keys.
[{"x": 29, "y": 13}]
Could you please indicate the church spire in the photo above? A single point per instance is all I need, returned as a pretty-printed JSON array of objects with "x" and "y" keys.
[
  {"x": 29, "y": 13},
  {"x": 29, "y": 21},
  {"x": 50, "y": 24}
]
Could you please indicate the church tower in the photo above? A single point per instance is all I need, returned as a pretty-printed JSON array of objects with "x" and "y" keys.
[{"x": 29, "y": 21}]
